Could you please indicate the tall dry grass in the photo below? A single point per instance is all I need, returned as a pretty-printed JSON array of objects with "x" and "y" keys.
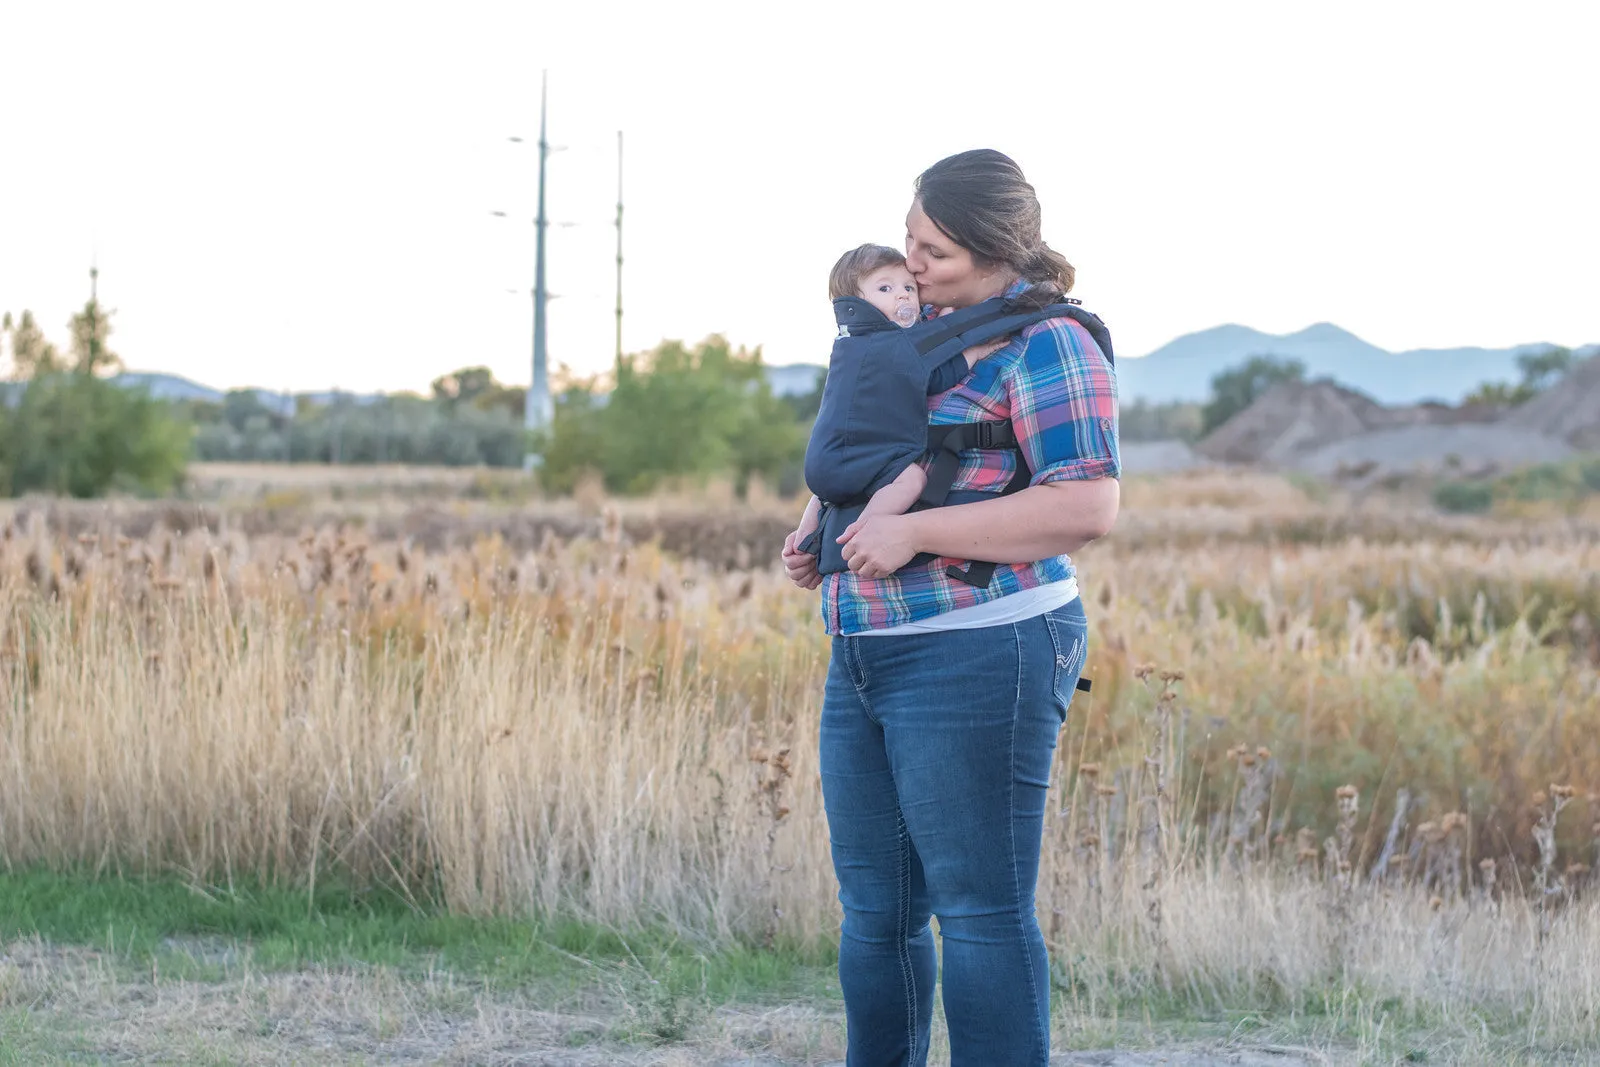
[{"x": 599, "y": 728}]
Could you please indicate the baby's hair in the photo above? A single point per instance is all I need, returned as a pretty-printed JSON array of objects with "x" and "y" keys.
[{"x": 845, "y": 280}]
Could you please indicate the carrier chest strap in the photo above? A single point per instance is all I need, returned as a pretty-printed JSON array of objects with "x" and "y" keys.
[{"x": 947, "y": 442}]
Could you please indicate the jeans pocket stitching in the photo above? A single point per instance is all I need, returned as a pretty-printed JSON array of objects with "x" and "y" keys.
[{"x": 1075, "y": 658}]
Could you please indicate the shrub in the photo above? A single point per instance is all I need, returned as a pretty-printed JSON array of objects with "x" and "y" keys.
[{"x": 1464, "y": 497}]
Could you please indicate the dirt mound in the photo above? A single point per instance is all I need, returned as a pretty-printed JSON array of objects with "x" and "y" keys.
[
  {"x": 1290, "y": 418},
  {"x": 1464, "y": 450},
  {"x": 1325, "y": 429},
  {"x": 1569, "y": 410}
]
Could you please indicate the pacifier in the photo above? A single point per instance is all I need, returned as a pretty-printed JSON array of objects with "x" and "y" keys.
[{"x": 905, "y": 314}]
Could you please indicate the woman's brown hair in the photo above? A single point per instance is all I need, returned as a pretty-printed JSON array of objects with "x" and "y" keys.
[
  {"x": 845, "y": 278},
  {"x": 981, "y": 201}
]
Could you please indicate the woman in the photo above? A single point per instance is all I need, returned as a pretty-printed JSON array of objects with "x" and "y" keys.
[{"x": 943, "y": 699}]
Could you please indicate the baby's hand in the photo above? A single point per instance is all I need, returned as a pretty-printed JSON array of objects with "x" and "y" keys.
[{"x": 985, "y": 350}]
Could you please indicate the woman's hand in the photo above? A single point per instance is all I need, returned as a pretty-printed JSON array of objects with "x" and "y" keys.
[
  {"x": 875, "y": 546},
  {"x": 801, "y": 567}
]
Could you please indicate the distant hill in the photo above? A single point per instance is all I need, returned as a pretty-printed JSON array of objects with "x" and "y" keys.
[
  {"x": 794, "y": 379},
  {"x": 1183, "y": 369},
  {"x": 169, "y": 386},
  {"x": 1179, "y": 370},
  {"x": 175, "y": 387}
]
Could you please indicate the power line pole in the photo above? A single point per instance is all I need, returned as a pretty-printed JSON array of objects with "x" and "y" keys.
[
  {"x": 537, "y": 410},
  {"x": 619, "y": 251}
]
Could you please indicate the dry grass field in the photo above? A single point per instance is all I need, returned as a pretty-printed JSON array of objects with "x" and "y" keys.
[{"x": 1331, "y": 789}]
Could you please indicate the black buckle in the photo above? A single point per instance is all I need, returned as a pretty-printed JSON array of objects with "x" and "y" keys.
[{"x": 986, "y": 434}]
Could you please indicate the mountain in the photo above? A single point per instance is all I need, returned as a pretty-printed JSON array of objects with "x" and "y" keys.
[
  {"x": 168, "y": 386},
  {"x": 175, "y": 387},
  {"x": 1183, "y": 369},
  {"x": 794, "y": 379}
]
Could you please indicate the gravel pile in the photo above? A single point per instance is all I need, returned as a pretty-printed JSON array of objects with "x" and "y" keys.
[{"x": 1465, "y": 451}]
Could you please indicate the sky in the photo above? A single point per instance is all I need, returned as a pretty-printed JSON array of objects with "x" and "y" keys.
[{"x": 301, "y": 196}]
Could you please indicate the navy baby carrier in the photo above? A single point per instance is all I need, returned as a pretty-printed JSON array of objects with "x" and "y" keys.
[{"x": 874, "y": 417}]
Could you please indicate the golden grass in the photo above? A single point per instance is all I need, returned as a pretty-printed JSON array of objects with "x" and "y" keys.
[{"x": 598, "y": 727}]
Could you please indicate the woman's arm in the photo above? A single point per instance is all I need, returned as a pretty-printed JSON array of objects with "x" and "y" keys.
[
  {"x": 1046, "y": 520},
  {"x": 1054, "y": 519}
]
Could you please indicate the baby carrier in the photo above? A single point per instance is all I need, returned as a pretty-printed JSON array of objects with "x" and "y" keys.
[{"x": 874, "y": 417}]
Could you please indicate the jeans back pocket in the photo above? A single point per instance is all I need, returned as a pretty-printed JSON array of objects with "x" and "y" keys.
[{"x": 1069, "y": 639}]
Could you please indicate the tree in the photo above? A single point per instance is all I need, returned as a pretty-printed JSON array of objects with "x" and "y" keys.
[
  {"x": 806, "y": 406},
  {"x": 79, "y": 435},
  {"x": 1234, "y": 390},
  {"x": 1540, "y": 370},
  {"x": 31, "y": 353},
  {"x": 675, "y": 412},
  {"x": 71, "y": 431},
  {"x": 91, "y": 327},
  {"x": 476, "y": 386}
]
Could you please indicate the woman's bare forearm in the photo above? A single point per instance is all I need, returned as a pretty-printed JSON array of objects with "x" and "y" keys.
[{"x": 1040, "y": 522}]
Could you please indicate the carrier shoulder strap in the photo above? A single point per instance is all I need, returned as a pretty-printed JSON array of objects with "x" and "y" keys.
[{"x": 993, "y": 319}]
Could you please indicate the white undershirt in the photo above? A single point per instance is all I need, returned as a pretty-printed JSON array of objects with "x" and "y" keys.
[{"x": 1024, "y": 604}]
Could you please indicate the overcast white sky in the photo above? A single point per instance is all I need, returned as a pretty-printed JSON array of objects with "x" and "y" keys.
[{"x": 298, "y": 195}]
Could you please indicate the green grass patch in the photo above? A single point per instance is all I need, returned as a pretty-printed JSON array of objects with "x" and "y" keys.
[{"x": 203, "y": 932}]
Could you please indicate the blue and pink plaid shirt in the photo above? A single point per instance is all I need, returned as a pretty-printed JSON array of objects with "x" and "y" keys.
[{"x": 1060, "y": 393}]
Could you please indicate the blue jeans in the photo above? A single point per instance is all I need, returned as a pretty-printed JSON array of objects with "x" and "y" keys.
[{"x": 936, "y": 753}]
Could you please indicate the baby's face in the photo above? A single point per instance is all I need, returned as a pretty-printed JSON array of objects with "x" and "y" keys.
[{"x": 893, "y": 291}]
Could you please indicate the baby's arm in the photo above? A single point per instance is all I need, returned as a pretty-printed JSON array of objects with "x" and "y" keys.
[
  {"x": 948, "y": 374},
  {"x": 897, "y": 497},
  {"x": 808, "y": 519}
]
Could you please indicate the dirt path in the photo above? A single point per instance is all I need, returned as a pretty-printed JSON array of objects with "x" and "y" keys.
[{"x": 60, "y": 1005}]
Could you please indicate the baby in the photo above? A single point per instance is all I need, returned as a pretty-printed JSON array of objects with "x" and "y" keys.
[{"x": 878, "y": 275}]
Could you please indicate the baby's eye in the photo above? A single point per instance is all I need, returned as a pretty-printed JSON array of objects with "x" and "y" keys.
[
  {"x": 885, "y": 287},
  {"x": 911, "y": 288}
]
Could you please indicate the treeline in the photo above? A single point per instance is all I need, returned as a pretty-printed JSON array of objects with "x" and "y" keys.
[{"x": 676, "y": 414}]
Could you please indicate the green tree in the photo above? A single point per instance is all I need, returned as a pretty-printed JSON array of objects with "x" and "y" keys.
[
  {"x": 91, "y": 328},
  {"x": 1234, "y": 390},
  {"x": 78, "y": 435},
  {"x": 806, "y": 406},
  {"x": 675, "y": 412},
  {"x": 1540, "y": 370},
  {"x": 71, "y": 431},
  {"x": 476, "y": 386}
]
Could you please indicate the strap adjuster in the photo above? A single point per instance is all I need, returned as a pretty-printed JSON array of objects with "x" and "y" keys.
[{"x": 986, "y": 434}]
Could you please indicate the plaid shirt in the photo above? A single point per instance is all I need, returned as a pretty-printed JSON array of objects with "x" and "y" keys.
[{"x": 1060, "y": 393}]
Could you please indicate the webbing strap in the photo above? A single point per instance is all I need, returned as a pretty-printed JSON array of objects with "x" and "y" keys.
[
  {"x": 940, "y": 331},
  {"x": 947, "y": 442}
]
